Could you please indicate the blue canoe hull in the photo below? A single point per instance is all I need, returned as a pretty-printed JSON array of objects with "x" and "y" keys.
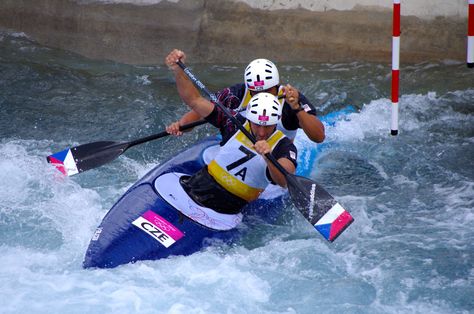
[{"x": 118, "y": 240}]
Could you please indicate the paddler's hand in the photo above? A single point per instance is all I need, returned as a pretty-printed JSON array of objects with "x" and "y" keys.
[
  {"x": 173, "y": 129},
  {"x": 262, "y": 147},
  {"x": 292, "y": 96},
  {"x": 173, "y": 57}
]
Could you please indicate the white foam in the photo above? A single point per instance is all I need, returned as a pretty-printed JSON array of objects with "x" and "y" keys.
[
  {"x": 408, "y": 246},
  {"x": 143, "y": 80},
  {"x": 374, "y": 117}
]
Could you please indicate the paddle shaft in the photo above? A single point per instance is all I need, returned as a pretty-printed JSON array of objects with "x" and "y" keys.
[
  {"x": 93, "y": 155},
  {"x": 164, "y": 133},
  {"x": 213, "y": 97}
]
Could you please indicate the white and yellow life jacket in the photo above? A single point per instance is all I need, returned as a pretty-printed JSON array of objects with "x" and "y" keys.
[
  {"x": 291, "y": 134},
  {"x": 239, "y": 168}
]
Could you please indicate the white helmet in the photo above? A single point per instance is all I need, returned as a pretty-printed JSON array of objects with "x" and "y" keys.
[
  {"x": 261, "y": 74},
  {"x": 264, "y": 109}
]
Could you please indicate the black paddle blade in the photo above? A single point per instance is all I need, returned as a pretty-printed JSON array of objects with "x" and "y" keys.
[
  {"x": 318, "y": 207},
  {"x": 88, "y": 156}
]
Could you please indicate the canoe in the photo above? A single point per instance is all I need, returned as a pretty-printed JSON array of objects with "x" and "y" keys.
[{"x": 156, "y": 219}]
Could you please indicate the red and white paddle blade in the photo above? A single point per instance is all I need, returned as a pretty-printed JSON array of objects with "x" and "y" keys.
[
  {"x": 333, "y": 222},
  {"x": 64, "y": 162}
]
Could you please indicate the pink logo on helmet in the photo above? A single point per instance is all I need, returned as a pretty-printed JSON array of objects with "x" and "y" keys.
[
  {"x": 263, "y": 118},
  {"x": 258, "y": 83}
]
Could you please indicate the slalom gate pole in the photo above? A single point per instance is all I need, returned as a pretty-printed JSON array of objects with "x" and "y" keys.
[
  {"x": 470, "y": 35},
  {"x": 395, "y": 65}
]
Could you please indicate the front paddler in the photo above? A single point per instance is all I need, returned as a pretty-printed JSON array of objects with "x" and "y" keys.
[{"x": 239, "y": 172}]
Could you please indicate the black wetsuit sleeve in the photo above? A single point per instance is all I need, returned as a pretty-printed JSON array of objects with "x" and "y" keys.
[
  {"x": 284, "y": 149},
  {"x": 307, "y": 105}
]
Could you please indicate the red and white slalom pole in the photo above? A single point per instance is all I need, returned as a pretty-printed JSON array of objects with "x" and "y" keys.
[
  {"x": 395, "y": 65},
  {"x": 470, "y": 35}
]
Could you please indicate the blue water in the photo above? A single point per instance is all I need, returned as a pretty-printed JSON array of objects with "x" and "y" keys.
[{"x": 410, "y": 249}]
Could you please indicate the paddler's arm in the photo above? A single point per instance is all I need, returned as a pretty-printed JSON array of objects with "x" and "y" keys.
[
  {"x": 262, "y": 147},
  {"x": 229, "y": 97},
  {"x": 187, "y": 118},
  {"x": 186, "y": 89},
  {"x": 310, "y": 124},
  {"x": 276, "y": 175}
]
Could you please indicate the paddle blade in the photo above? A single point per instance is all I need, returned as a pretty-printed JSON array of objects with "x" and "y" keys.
[
  {"x": 84, "y": 157},
  {"x": 318, "y": 207}
]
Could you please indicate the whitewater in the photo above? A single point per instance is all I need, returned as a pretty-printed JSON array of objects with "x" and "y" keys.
[{"x": 410, "y": 249}]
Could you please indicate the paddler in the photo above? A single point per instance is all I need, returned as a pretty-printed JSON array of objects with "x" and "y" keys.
[
  {"x": 240, "y": 171},
  {"x": 261, "y": 75}
]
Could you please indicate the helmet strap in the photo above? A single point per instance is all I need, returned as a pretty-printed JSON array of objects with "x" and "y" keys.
[{"x": 251, "y": 130}]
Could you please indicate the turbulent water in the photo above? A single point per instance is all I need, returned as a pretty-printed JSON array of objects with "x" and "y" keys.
[{"x": 410, "y": 249}]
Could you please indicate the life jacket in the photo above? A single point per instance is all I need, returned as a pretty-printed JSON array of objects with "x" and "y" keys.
[
  {"x": 239, "y": 168},
  {"x": 291, "y": 134}
]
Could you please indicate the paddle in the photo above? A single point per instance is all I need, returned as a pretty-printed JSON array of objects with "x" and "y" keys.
[
  {"x": 316, "y": 205},
  {"x": 89, "y": 156}
]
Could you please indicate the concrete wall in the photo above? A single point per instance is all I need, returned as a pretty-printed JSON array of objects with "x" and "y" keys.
[
  {"x": 143, "y": 31},
  {"x": 427, "y": 9}
]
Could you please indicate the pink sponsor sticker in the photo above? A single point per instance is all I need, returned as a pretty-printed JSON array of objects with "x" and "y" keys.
[
  {"x": 163, "y": 224},
  {"x": 259, "y": 83},
  {"x": 263, "y": 118},
  {"x": 159, "y": 228}
]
